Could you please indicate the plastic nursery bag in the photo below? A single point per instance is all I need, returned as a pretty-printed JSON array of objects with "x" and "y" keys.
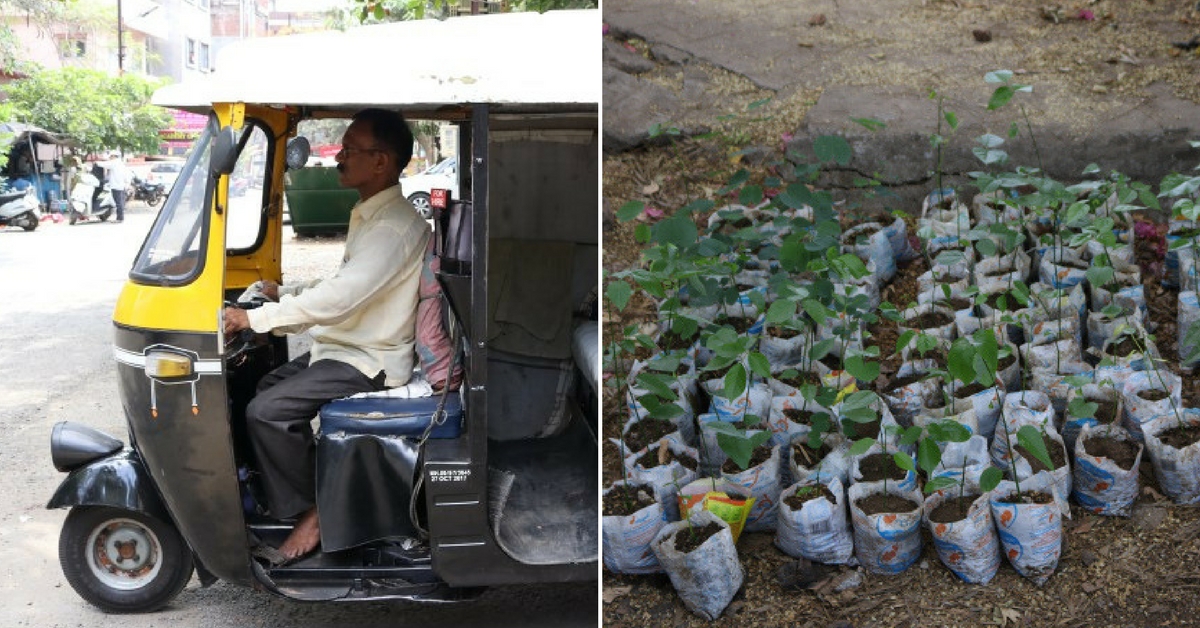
[
  {"x": 763, "y": 483},
  {"x": 784, "y": 429},
  {"x": 835, "y": 464},
  {"x": 755, "y": 400},
  {"x": 1100, "y": 486},
  {"x": 969, "y": 458},
  {"x": 1138, "y": 410},
  {"x": 1030, "y": 534},
  {"x": 969, "y": 547},
  {"x": 1062, "y": 475},
  {"x": 875, "y": 247},
  {"x": 1177, "y": 470},
  {"x": 706, "y": 578},
  {"x": 627, "y": 539},
  {"x": 665, "y": 478},
  {"x": 819, "y": 529},
  {"x": 1026, "y": 407},
  {"x": 720, "y": 497},
  {"x": 885, "y": 543}
]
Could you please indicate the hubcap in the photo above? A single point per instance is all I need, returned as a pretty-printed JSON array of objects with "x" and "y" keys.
[{"x": 124, "y": 554}]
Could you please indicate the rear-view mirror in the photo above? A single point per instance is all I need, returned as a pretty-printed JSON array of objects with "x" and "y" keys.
[
  {"x": 298, "y": 152},
  {"x": 224, "y": 152}
]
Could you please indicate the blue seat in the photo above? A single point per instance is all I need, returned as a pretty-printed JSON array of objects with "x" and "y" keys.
[{"x": 387, "y": 416}]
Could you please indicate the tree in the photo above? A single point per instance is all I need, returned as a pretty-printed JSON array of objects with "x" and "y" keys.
[
  {"x": 378, "y": 11},
  {"x": 99, "y": 111}
]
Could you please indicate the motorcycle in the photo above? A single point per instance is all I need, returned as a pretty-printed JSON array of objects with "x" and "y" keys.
[
  {"x": 87, "y": 204},
  {"x": 144, "y": 190},
  {"x": 19, "y": 209}
]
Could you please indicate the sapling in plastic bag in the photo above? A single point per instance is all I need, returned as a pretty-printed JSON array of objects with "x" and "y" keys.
[
  {"x": 707, "y": 577},
  {"x": 626, "y": 538},
  {"x": 818, "y": 529},
  {"x": 1101, "y": 486}
]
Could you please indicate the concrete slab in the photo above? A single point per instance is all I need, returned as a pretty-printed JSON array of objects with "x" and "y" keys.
[{"x": 1112, "y": 90}]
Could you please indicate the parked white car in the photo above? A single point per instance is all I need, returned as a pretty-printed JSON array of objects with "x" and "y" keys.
[
  {"x": 442, "y": 175},
  {"x": 165, "y": 172}
]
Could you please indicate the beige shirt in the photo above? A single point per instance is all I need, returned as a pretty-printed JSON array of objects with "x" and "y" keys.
[{"x": 365, "y": 315}]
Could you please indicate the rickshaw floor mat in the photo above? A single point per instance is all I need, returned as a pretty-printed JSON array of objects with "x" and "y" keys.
[{"x": 542, "y": 496}]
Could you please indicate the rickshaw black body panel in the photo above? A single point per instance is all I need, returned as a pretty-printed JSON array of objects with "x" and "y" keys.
[
  {"x": 184, "y": 435},
  {"x": 119, "y": 480}
]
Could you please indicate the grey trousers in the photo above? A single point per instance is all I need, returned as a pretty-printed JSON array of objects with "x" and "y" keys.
[{"x": 279, "y": 422}]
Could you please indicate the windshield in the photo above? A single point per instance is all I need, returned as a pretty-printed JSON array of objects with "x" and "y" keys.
[
  {"x": 446, "y": 165},
  {"x": 172, "y": 251}
]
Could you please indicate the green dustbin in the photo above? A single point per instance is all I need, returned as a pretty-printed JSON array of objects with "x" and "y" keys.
[{"x": 316, "y": 203}]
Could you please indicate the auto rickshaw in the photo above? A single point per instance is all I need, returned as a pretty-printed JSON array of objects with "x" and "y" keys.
[{"x": 427, "y": 499}]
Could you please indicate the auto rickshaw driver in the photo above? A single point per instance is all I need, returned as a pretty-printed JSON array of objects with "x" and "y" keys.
[{"x": 362, "y": 321}]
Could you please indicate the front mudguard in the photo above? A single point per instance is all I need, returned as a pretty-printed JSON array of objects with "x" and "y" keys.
[{"x": 119, "y": 480}]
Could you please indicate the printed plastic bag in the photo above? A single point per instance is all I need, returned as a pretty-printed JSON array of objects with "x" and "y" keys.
[
  {"x": 969, "y": 547},
  {"x": 1177, "y": 470},
  {"x": 763, "y": 483},
  {"x": 1030, "y": 534},
  {"x": 886, "y": 543},
  {"x": 819, "y": 529},
  {"x": 706, "y": 578},
  {"x": 720, "y": 497},
  {"x": 1101, "y": 486},
  {"x": 627, "y": 539}
]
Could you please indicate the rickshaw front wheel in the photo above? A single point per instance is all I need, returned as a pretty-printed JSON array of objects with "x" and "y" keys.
[{"x": 123, "y": 561}]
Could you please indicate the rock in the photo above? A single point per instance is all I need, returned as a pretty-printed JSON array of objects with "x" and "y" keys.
[
  {"x": 1147, "y": 517},
  {"x": 982, "y": 36},
  {"x": 631, "y": 106},
  {"x": 1088, "y": 558},
  {"x": 623, "y": 59}
]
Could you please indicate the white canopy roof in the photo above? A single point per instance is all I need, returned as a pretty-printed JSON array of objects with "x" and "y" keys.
[{"x": 515, "y": 60}]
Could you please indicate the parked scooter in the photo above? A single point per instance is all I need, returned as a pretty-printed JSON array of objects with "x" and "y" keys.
[
  {"x": 85, "y": 204},
  {"x": 143, "y": 190},
  {"x": 19, "y": 209}
]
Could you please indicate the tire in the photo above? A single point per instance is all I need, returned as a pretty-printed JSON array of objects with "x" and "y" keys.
[
  {"x": 420, "y": 202},
  {"x": 88, "y": 548},
  {"x": 74, "y": 217},
  {"x": 153, "y": 199},
  {"x": 29, "y": 222},
  {"x": 104, "y": 216}
]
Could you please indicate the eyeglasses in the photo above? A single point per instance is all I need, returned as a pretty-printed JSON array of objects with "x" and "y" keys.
[{"x": 346, "y": 150}]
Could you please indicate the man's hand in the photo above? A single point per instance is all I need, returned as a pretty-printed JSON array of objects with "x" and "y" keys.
[
  {"x": 270, "y": 289},
  {"x": 235, "y": 320}
]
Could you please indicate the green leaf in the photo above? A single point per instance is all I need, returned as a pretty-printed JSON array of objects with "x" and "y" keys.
[
  {"x": 815, "y": 311},
  {"x": 822, "y": 348},
  {"x": 684, "y": 327},
  {"x": 630, "y": 210},
  {"x": 781, "y": 311},
  {"x": 952, "y": 120},
  {"x": 904, "y": 461},
  {"x": 905, "y": 338},
  {"x": 618, "y": 293},
  {"x": 751, "y": 195},
  {"x": 939, "y": 483},
  {"x": 666, "y": 412},
  {"x": 677, "y": 230},
  {"x": 910, "y": 435},
  {"x": 735, "y": 382},
  {"x": 998, "y": 76},
  {"x": 960, "y": 362},
  {"x": 659, "y": 385},
  {"x": 862, "y": 370},
  {"x": 1099, "y": 275},
  {"x": 861, "y": 445},
  {"x": 990, "y": 479},
  {"x": 860, "y": 399},
  {"x": 833, "y": 148},
  {"x": 737, "y": 180},
  {"x": 1032, "y": 441},
  {"x": 759, "y": 364},
  {"x": 641, "y": 233},
  {"x": 1081, "y": 408},
  {"x": 871, "y": 124},
  {"x": 1000, "y": 97},
  {"x": 929, "y": 456}
]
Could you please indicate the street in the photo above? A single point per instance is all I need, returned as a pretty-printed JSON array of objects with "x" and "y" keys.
[{"x": 61, "y": 283}]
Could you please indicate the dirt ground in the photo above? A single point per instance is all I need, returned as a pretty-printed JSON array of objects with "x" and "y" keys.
[{"x": 1139, "y": 571}]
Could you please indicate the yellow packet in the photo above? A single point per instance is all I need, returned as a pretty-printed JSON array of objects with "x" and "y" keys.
[{"x": 714, "y": 496}]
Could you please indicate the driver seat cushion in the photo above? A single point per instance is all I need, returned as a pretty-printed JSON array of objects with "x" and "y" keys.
[{"x": 391, "y": 416}]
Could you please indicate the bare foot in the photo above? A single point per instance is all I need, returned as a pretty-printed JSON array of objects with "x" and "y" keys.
[{"x": 305, "y": 537}]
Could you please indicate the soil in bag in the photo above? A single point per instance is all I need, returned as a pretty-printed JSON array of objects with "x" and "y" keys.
[
  {"x": 1028, "y": 498},
  {"x": 623, "y": 501},
  {"x": 880, "y": 467},
  {"x": 689, "y": 539},
  {"x": 761, "y": 454},
  {"x": 1122, "y": 452},
  {"x": 954, "y": 509},
  {"x": 1056, "y": 456},
  {"x": 642, "y": 433},
  {"x": 805, "y": 494},
  {"x": 807, "y": 456},
  {"x": 662, "y": 456},
  {"x": 1180, "y": 437},
  {"x": 884, "y": 502},
  {"x": 1153, "y": 394}
]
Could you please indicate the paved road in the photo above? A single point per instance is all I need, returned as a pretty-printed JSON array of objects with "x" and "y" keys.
[{"x": 60, "y": 285}]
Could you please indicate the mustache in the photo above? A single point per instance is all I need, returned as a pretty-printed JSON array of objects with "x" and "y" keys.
[{"x": 341, "y": 167}]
